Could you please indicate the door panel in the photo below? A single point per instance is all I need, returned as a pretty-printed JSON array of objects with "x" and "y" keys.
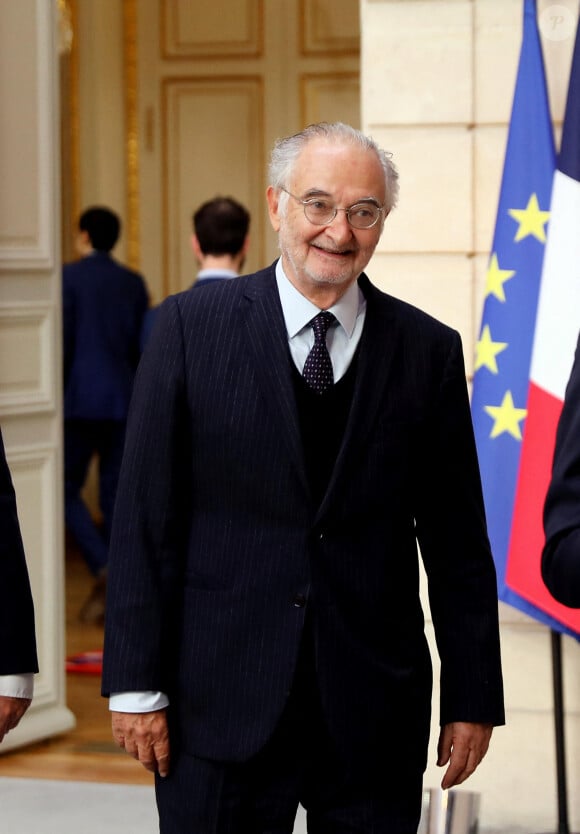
[{"x": 216, "y": 85}]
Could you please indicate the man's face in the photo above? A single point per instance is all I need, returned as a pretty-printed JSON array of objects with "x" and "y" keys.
[{"x": 334, "y": 255}]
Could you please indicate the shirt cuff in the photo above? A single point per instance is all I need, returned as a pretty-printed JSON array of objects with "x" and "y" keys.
[
  {"x": 137, "y": 701},
  {"x": 17, "y": 686}
]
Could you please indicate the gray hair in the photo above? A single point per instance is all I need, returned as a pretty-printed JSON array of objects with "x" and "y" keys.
[{"x": 286, "y": 151}]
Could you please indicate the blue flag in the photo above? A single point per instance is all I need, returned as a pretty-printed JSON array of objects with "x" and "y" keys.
[{"x": 504, "y": 348}]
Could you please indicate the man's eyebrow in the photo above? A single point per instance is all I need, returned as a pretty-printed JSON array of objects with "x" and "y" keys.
[
  {"x": 372, "y": 200},
  {"x": 318, "y": 192}
]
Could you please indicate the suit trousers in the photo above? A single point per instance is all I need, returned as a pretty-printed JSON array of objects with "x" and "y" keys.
[
  {"x": 82, "y": 440},
  {"x": 298, "y": 765}
]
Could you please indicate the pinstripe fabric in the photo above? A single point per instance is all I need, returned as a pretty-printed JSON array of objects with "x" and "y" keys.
[
  {"x": 17, "y": 633},
  {"x": 216, "y": 533}
]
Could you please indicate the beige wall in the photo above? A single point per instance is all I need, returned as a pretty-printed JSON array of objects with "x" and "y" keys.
[{"x": 437, "y": 86}]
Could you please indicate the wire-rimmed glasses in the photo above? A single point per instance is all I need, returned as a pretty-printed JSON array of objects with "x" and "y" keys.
[{"x": 321, "y": 211}]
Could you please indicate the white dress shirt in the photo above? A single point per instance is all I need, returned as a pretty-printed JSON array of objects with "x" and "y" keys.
[
  {"x": 342, "y": 340},
  {"x": 216, "y": 274},
  {"x": 17, "y": 686}
]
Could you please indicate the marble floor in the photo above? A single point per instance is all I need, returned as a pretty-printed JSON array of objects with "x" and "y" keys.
[{"x": 43, "y": 806}]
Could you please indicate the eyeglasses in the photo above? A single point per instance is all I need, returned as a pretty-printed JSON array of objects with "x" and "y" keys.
[{"x": 321, "y": 212}]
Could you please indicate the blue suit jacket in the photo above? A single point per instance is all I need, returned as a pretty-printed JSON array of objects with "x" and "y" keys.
[
  {"x": 17, "y": 635},
  {"x": 103, "y": 308},
  {"x": 561, "y": 554},
  {"x": 216, "y": 535}
]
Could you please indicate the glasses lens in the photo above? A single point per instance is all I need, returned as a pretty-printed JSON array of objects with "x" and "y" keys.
[
  {"x": 363, "y": 215},
  {"x": 319, "y": 212},
  {"x": 360, "y": 216}
]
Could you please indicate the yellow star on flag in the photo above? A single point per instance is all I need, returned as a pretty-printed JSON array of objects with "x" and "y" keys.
[
  {"x": 507, "y": 417},
  {"x": 531, "y": 220},
  {"x": 496, "y": 278},
  {"x": 486, "y": 351}
]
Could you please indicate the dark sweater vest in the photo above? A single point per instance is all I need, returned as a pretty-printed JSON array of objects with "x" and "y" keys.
[{"x": 322, "y": 419}]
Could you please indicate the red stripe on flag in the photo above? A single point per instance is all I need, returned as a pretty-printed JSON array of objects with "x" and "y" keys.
[{"x": 523, "y": 572}]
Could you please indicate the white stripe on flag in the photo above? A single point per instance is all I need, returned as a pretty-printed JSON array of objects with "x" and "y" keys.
[{"x": 558, "y": 317}]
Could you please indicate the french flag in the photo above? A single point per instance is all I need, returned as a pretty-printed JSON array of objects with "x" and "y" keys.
[
  {"x": 529, "y": 328},
  {"x": 555, "y": 338}
]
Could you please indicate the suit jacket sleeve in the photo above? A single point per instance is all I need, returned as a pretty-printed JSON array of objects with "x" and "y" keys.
[
  {"x": 561, "y": 554},
  {"x": 452, "y": 534},
  {"x": 148, "y": 535},
  {"x": 17, "y": 635}
]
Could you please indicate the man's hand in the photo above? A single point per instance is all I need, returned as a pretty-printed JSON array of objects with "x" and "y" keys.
[
  {"x": 463, "y": 745},
  {"x": 11, "y": 711},
  {"x": 145, "y": 736}
]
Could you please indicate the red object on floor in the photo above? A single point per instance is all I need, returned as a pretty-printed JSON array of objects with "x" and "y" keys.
[{"x": 85, "y": 663}]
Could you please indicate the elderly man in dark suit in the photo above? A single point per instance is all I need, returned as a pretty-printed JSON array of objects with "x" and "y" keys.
[
  {"x": 18, "y": 661},
  {"x": 293, "y": 435},
  {"x": 104, "y": 304},
  {"x": 561, "y": 554}
]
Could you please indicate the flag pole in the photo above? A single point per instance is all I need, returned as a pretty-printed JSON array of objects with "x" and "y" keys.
[
  {"x": 558, "y": 691},
  {"x": 563, "y": 825}
]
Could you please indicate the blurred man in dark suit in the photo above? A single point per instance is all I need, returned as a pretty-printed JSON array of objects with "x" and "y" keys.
[
  {"x": 561, "y": 555},
  {"x": 18, "y": 661},
  {"x": 293, "y": 434},
  {"x": 220, "y": 240},
  {"x": 103, "y": 308}
]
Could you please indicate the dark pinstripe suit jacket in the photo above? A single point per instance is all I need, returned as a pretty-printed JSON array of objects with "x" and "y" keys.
[
  {"x": 17, "y": 635},
  {"x": 216, "y": 533},
  {"x": 561, "y": 555}
]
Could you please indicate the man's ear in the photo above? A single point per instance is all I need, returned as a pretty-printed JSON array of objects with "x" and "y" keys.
[
  {"x": 83, "y": 243},
  {"x": 245, "y": 245},
  {"x": 273, "y": 198}
]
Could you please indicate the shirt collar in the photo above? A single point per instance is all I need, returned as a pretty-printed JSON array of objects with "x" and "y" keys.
[
  {"x": 299, "y": 311},
  {"x": 217, "y": 273}
]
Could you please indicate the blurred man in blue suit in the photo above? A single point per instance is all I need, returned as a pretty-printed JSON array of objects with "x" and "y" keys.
[{"x": 103, "y": 308}]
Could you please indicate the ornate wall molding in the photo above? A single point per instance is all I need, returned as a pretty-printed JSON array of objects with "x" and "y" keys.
[
  {"x": 330, "y": 96},
  {"x": 132, "y": 130},
  {"x": 222, "y": 29},
  {"x": 27, "y": 169},
  {"x": 329, "y": 27},
  {"x": 217, "y": 119},
  {"x": 26, "y": 345}
]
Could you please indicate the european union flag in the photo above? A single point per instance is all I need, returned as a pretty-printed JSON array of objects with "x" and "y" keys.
[{"x": 504, "y": 348}]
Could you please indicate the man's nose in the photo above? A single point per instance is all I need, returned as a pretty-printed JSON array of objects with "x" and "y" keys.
[{"x": 340, "y": 229}]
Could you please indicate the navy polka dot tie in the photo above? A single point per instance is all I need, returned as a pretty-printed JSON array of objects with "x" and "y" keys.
[{"x": 317, "y": 371}]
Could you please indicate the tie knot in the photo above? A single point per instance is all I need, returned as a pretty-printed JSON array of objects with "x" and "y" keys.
[{"x": 321, "y": 323}]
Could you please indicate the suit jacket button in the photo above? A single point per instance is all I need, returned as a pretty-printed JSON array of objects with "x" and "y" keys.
[{"x": 299, "y": 601}]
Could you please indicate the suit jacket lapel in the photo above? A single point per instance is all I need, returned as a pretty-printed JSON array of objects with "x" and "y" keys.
[{"x": 268, "y": 344}]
